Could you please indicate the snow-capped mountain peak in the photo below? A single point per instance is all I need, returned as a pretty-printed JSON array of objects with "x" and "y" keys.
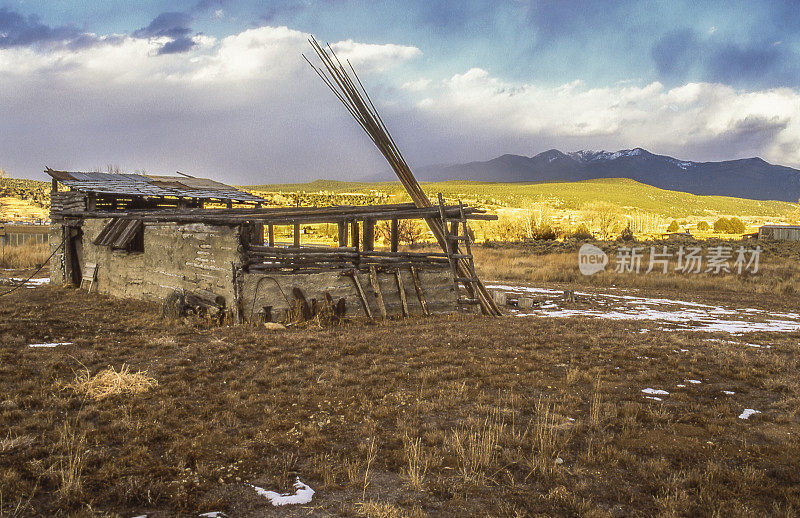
[{"x": 585, "y": 156}]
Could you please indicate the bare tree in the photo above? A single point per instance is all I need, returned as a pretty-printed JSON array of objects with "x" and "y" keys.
[
  {"x": 409, "y": 231},
  {"x": 604, "y": 216}
]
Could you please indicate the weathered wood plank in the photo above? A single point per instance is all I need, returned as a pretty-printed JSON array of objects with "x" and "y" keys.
[
  {"x": 420, "y": 294},
  {"x": 376, "y": 287},
  {"x": 402, "y": 292},
  {"x": 361, "y": 294}
]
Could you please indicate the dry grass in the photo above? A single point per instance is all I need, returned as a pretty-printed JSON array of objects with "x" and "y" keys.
[
  {"x": 416, "y": 463},
  {"x": 25, "y": 256},
  {"x": 552, "y": 262},
  {"x": 110, "y": 382},
  {"x": 478, "y": 411}
]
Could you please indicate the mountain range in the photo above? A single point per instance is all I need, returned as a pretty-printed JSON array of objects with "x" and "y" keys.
[{"x": 751, "y": 178}]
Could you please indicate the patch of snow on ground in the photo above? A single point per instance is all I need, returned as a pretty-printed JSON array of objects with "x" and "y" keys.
[
  {"x": 655, "y": 391},
  {"x": 32, "y": 283},
  {"x": 681, "y": 315},
  {"x": 213, "y": 514},
  {"x": 696, "y": 382},
  {"x": 653, "y": 397},
  {"x": 680, "y": 385},
  {"x": 728, "y": 392},
  {"x": 748, "y": 412},
  {"x": 54, "y": 344},
  {"x": 302, "y": 495}
]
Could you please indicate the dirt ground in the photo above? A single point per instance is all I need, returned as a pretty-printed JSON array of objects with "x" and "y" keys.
[{"x": 445, "y": 416}]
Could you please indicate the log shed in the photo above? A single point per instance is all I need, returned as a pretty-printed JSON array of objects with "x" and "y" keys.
[{"x": 152, "y": 237}]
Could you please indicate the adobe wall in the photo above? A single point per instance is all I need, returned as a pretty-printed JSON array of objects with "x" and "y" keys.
[
  {"x": 57, "y": 266},
  {"x": 436, "y": 281},
  {"x": 176, "y": 256}
]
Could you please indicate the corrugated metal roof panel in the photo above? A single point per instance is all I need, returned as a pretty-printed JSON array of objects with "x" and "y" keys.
[{"x": 140, "y": 185}]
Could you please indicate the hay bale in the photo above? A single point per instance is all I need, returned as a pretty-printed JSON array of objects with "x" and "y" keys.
[{"x": 110, "y": 382}]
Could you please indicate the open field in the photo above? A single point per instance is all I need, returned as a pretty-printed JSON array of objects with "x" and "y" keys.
[
  {"x": 554, "y": 262},
  {"x": 624, "y": 193},
  {"x": 25, "y": 256},
  {"x": 458, "y": 416}
]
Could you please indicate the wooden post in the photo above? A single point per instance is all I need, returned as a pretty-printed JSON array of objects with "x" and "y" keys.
[
  {"x": 258, "y": 234},
  {"x": 54, "y": 186},
  {"x": 354, "y": 232},
  {"x": 296, "y": 233},
  {"x": 402, "y": 291},
  {"x": 361, "y": 294},
  {"x": 271, "y": 234},
  {"x": 395, "y": 237},
  {"x": 369, "y": 235},
  {"x": 376, "y": 287},
  {"x": 454, "y": 228},
  {"x": 342, "y": 234},
  {"x": 229, "y": 204},
  {"x": 420, "y": 294},
  {"x": 91, "y": 202}
]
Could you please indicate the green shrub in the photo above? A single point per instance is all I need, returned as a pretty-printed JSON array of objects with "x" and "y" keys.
[
  {"x": 673, "y": 227},
  {"x": 581, "y": 233}
]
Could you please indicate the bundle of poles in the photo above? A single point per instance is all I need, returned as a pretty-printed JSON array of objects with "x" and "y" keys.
[{"x": 360, "y": 106}]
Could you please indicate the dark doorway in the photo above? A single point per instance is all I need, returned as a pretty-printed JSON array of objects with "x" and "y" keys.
[{"x": 74, "y": 249}]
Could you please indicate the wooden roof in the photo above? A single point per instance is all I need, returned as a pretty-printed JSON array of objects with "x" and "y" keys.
[{"x": 138, "y": 185}]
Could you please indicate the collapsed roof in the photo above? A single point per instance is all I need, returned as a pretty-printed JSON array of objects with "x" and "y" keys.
[{"x": 139, "y": 185}]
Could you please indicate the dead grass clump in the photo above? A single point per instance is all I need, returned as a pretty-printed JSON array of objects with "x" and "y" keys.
[
  {"x": 417, "y": 463},
  {"x": 69, "y": 469},
  {"x": 110, "y": 382},
  {"x": 476, "y": 446},
  {"x": 374, "y": 509},
  {"x": 25, "y": 256}
]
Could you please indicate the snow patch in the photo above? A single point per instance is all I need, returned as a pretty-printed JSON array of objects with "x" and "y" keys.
[
  {"x": 655, "y": 391},
  {"x": 50, "y": 345},
  {"x": 728, "y": 392},
  {"x": 696, "y": 382},
  {"x": 302, "y": 495},
  {"x": 748, "y": 412}
]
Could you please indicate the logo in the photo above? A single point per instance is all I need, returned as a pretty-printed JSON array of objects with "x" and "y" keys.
[{"x": 591, "y": 259}]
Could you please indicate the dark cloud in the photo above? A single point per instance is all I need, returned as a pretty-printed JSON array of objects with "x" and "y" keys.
[
  {"x": 173, "y": 25},
  {"x": 573, "y": 19},
  {"x": 681, "y": 55},
  {"x": 279, "y": 10},
  {"x": 18, "y": 30},
  {"x": 761, "y": 65},
  {"x": 177, "y": 46},
  {"x": 456, "y": 16},
  {"x": 205, "y": 5},
  {"x": 676, "y": 53}
]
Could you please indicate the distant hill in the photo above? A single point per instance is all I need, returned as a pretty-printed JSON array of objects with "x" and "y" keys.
[
  {"x": 751, "y": 178},
  {"x": 628, "y": 194}
]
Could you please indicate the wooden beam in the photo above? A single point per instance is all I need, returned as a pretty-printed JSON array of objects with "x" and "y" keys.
[
  {"x": 395, "y": 235},
  {"x": 361, "y": 294},
  {"x": 420, "y": 294},
  {"x": 258, "y": 234},
  {"x": 354, "y": 233},
  {"x": 369, "y": 235},
  {"x": 376, "y": 287},
  {"x": 271, "y": 235},
  {"x": 296, "y": 235},
  {"x": 402, "y": 291},
  {"x": 342, "y": 233}
]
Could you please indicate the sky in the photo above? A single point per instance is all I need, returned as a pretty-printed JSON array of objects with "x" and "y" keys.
[{"x": 219, "y": 88}]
